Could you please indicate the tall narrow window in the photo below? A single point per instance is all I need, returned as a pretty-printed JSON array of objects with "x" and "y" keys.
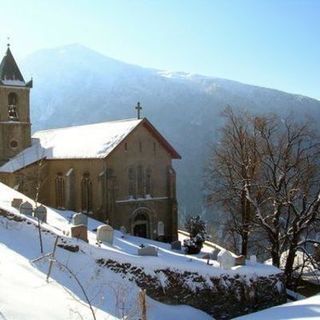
[
  {"x": 171, "y": 183},
  {"x": 148, "y": 181},
  {"x": 154, "y": 148},
  {"x": 12, "y": 106},
  {"x": 60, "y": 191},
  {"x": 132, "y": 182},
  {"x": 140, "y": 184},
  {"x": 86, "y": 193}
]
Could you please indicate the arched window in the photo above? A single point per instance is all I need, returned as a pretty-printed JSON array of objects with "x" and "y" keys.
[
  {"x": 86, "y": 193},
  {"x": 140, "y": 181},
  {"x": 60, "y": 191},
  {"x": 132, "y": 182},
  {"x": 148, "y": 181},
  {"x": 12, "y": 106}
]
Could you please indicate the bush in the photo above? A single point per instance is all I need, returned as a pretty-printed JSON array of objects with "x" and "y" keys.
[
  {"x": 197, "y": 230},
  {"x": 191, "y": 247}
]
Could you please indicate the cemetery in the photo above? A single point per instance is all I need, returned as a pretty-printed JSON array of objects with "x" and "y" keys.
[{"x": 225, "y": 287}]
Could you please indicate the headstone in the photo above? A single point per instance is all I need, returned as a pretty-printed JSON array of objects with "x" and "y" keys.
[
  {"x": 214, "y": 254},
  {"x": 79, "y": 218},
  {"x": 176, "y": 245},
  {"x": 79, "y": 232},
  {"x": 160, "y": 229},
  {"x": 16, "y": 202},
  {"x": 240, "y": 260},
  {"x": 105, "y": 233},
  {"x": 123, "y": 231},
  {"x": 26, "y": 208},
  {"x": 226, "y": 259},
  {"x": 253, "y": 259},
  {"x": 41, "y": 213},
  {"x": 148, "y": 251}
]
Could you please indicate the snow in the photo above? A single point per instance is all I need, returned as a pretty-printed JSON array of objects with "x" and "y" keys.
[
  {"x": 23, "y": 282},
  {"x": 111, "y": 294},
  {"x": 299, "y": 310},
  {"x": 125, "y": 249},
  {"x": 87, "y": 141},
  {"x": 15, "y": 83},
  {"x": 24, "y": 286}
]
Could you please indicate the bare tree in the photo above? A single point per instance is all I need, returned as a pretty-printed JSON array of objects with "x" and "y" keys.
[
  {"x": 286, "y": 193},
  {"x": 265, "y": 172},
  {"x": 233, "y": 162}
]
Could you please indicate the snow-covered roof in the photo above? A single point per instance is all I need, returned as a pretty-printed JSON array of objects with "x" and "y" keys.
[
  {"x": 15, "y": 83},
  {"x": 77, "y": 142}
]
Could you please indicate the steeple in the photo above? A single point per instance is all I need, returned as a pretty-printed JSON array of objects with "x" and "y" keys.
[
  {"x": 15, "y": 126},
  {"x": 10, "y": 74}
]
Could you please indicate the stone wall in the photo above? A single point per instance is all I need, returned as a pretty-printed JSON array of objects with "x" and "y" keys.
[{"x": 222, "y": 297}]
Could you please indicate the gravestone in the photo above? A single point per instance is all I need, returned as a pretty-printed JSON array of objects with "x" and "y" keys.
[
  {"x": 105, "y": 233},
  {"x": 226, "y": 260},
  {"x": 16, "y": 202},
  {"x": 41, "y": 213},
  {"x": 213, "y": 255},
  {"x": 26, "y": 208},
  {"x": 253, "y": 259},
  {"x": 79, "y": 218},
  {"x": 148, "y": 251},
  {"x": 123, "y": 231},
  {"x": 176, "y": 245},
  {"x": 160, "y": 229},
  {"x": 79, "y": 232},
  {"x": 240, "y": 260}
]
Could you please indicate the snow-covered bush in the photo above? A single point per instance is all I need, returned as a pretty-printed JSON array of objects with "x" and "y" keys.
[{"x": 197, "y": 230}]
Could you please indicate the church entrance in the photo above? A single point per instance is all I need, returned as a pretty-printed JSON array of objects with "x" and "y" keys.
[
  {"x": 141, "y": 224},
  {"x": 140, "y": 230}
]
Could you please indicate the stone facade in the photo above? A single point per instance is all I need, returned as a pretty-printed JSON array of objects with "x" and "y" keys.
[
  {"x": 15, "y": 126},
  {"x": 134, "y": 186}
]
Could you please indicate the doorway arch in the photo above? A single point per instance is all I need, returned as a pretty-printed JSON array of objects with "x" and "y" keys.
[{"x": 141, "y": 223}]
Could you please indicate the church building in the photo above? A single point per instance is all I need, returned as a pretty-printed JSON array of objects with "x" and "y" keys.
[{"x": 116, "y": 171}]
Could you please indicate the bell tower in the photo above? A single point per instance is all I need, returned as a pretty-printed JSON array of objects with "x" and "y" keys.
[{"x": 15, "y": 126}]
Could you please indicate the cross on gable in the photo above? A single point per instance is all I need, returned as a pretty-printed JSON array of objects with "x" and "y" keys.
[{"x": 138, "y": 108}]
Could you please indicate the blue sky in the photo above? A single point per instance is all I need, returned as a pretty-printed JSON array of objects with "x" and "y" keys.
[{"x": 270, "y": 43}]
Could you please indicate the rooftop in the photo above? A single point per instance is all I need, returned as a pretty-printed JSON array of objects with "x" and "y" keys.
[{"x": 80, "y": 142}]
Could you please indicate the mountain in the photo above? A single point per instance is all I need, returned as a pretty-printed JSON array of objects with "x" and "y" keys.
[{"x": 75, "y": 85}]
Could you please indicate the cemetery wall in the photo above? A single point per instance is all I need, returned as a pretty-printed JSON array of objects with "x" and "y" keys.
[{"x": 223, "y": 297}]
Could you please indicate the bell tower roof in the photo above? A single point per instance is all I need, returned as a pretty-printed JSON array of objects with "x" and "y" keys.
[{"x": 10, "y": 73}]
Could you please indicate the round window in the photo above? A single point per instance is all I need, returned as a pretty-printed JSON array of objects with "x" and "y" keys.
[{"x": 13, "y": 144}]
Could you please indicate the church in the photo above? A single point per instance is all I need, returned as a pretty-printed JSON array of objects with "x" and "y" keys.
[{"x": 119, "y": 172}]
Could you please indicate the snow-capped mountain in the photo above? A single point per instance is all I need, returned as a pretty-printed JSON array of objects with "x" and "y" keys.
[{"x": 75, "y": 85}]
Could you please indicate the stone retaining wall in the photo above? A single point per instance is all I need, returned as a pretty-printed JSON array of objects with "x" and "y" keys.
[{"x": 222, "y": 297}]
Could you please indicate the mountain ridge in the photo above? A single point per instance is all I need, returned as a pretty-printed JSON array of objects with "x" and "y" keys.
[{"x": 163, "y": 72}]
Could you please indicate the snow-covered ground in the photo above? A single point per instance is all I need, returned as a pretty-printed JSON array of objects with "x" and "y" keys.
[
  {"x": 24, "y": 293},
  {"x": 306, "y": 309}
]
